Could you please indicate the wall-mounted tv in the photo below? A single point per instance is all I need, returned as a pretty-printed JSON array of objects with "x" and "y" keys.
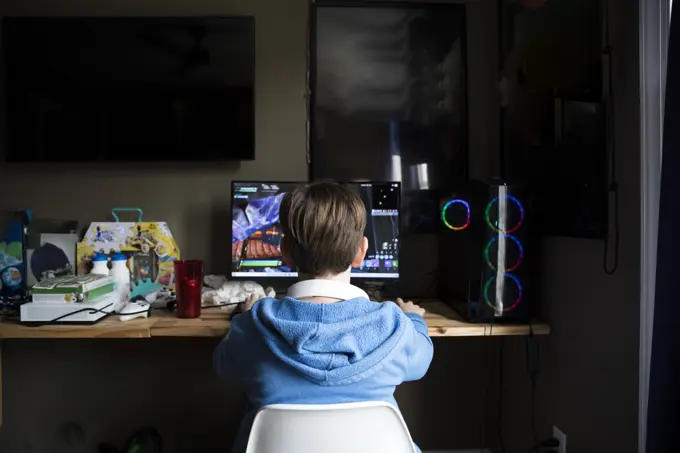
[{"x": 82, "y": 89}]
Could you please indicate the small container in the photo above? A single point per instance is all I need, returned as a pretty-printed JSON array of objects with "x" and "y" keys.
[
  {"x": 188, "y": 287},
  {"x": 121, "y": 275},
  {"x": 100, "y": 264}
]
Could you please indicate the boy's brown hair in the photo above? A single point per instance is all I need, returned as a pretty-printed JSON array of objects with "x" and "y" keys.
[{"x": 323, "y": 226}]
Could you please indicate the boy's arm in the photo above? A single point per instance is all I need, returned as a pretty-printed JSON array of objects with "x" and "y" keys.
[
  {"x": 226, "y": 357},
  {"x": 419, "y": 350}
]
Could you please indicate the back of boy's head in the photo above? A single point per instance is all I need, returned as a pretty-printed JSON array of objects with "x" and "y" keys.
[{"x": 323, "y": 226}]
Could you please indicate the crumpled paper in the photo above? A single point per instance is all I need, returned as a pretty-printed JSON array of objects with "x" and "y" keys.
[{"x": 232, "y": 293}]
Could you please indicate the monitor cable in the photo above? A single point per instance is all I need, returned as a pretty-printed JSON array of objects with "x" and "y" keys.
[
  {"x": 533, "y": 367},
  {"x": 486, "y": 393},
  {"x": 92, "y": 311},
  {"x": 499, "y": 422}
]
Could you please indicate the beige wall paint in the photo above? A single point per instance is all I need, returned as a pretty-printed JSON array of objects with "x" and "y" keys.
[
  {"x": 97, "y": 383},
  {"x": 589, "y": 383},
  {"x": 193, "y": 199}
]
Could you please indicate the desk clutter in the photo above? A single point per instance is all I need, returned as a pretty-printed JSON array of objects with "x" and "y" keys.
[
  {"x": 128, "y": 269},
  {"x": 120, "y": 271},
  {"x": 63, "y": 297},
  {"x": 486, "y": 227},
  {"x": 50, "y": 275}
]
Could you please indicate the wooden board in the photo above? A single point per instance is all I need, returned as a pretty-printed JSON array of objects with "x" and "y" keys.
[
  {"x": 108, "y": 328},
  {"x": 442, "y": 321},
  {"x": 212, "y": 323}
]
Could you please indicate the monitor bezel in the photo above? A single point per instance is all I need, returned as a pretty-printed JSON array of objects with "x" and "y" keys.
[{"x": 278, "y": 281}]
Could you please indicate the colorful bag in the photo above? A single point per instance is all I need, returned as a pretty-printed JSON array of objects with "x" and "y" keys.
[{"x": 150, "y": 247}]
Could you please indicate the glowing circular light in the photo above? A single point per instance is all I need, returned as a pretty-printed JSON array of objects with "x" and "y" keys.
[
  {"x": 495, "y": 227},
  {"x": 447, "y": 206},
  {"x": 513, "y": 239},
  {"x": 519, "y": 292}
]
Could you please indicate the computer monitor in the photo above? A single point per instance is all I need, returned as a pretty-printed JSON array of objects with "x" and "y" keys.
[{"x": 256, "y": 232}]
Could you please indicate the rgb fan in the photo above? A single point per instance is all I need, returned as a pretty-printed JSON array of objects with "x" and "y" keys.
[
  {"x": 447, "y": 214},
  {"x": 501, "y": 281}
]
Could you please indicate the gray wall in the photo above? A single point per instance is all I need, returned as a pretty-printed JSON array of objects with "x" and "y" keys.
[
  {"x": 589, "y": 384},
  {"x": 589, "y": 387}
]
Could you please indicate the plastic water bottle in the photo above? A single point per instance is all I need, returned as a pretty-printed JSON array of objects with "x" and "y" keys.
[
  {"x": 100, "y": 264},
  {"x": 121, "y": 275}
]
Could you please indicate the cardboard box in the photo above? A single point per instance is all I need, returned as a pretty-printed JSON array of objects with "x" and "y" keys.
[{"x": 132, "y": 239}]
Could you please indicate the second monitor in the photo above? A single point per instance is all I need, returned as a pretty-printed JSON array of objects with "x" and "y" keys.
[{"x": 256, "y": 232}]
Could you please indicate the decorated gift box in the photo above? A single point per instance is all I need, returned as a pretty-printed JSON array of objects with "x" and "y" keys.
[{"x": 150, "y": 247}]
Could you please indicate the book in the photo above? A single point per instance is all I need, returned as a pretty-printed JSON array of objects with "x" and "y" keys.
[{"x": 72, "y": 288}]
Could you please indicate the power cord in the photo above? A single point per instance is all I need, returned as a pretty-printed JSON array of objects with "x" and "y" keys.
[
  {"x": 107, "y": 314},
  {"x": 501, "y": 438},
  {"x": 485, "y": 398},
  {"x": 533, "y": 411},
  {"x": 533, "y": 366}
]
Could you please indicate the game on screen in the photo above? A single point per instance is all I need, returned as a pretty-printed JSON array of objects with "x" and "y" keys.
[{"x": 256, "y": 232}]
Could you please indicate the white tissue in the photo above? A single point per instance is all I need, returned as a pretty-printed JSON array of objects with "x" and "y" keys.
[
  {"x": 235, "y": 293},
  {"x": 214, "y": 281}
]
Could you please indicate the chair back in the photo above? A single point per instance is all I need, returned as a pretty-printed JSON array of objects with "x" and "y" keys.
[{"x": 368, "y": 427}]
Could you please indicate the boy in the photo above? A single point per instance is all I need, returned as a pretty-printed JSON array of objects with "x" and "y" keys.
[{"x": 325, "y": 342}]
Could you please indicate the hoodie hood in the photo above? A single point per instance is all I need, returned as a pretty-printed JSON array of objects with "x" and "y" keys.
[{"x": 330, "y": 344}]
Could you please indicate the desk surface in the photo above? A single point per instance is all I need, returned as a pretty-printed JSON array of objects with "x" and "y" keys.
[{"x": 442, "y": 321}]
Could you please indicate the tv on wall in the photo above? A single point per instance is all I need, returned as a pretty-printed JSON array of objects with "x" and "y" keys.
[{"x": 81, "y": 89}]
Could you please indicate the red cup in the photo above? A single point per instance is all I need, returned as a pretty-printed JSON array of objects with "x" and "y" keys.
[{"x": 188, "y": 286}]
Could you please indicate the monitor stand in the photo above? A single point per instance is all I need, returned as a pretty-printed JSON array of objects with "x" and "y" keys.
[{"x": 378, "y": 290}]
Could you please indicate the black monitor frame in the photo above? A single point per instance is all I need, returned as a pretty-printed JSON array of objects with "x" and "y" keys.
[{"x": 278, "y": 282}]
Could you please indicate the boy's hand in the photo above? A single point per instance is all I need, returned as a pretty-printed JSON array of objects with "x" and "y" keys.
[
  {"x": 248, "y": 304},
  {"x": 410, "y": 307}
]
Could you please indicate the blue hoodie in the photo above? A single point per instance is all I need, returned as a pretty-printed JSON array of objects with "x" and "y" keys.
[{"x": 286, "y": 351}]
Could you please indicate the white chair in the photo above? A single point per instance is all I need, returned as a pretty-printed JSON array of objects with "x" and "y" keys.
[{"x": 369, "y": 427}]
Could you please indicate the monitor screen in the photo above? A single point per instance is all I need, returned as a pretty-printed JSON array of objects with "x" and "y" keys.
[
  {"x": 86, "y": 89},
  {"x": 256, "y": 232}
]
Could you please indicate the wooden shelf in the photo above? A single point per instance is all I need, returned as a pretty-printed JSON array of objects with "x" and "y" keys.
[{"x": 442, "y": 321}]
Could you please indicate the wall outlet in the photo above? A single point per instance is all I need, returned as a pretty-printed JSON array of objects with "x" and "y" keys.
[{"x": 562, "y": 438}]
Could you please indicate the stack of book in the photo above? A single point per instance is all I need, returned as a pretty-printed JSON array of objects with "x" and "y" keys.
[{"x": 71, "y": 299}]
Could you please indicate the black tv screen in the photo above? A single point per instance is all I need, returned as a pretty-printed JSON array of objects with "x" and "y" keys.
[
  {"x": 129, "y": 89},
  {"x": 389, "y": 97}
]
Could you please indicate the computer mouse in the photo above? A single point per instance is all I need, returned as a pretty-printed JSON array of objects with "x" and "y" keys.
[{"x": 134, "y": 310}]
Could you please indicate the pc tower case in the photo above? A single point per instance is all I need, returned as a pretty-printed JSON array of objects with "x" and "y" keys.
[{"x": 486, "y": 252}]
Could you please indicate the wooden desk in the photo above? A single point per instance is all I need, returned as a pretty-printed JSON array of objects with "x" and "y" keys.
[{"x": 442, "y": 320}]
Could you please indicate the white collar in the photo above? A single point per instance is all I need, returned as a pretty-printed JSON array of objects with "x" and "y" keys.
[{"x": 325, "y": 288}]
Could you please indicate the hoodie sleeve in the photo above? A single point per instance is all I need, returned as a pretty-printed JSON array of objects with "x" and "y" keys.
[
  {"x": 227, "y": 357},
  {"x": 419, "y": 349}
]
